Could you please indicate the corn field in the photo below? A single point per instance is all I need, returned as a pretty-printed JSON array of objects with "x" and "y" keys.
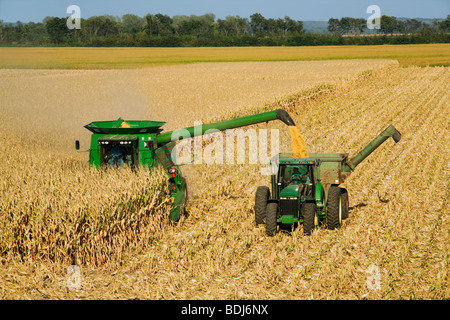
[{"x": 55, "y": 211}]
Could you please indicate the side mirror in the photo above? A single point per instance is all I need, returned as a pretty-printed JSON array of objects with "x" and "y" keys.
[{"x": 77, "y": 145}]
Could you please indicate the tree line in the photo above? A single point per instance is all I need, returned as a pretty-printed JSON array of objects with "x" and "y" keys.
[
  {"x": 388, "y": 25},
  {"x": 159, "y": 30}
]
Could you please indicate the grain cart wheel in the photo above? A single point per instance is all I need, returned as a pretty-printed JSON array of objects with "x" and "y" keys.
[
  {"x": 344, "y": 201},
  {"x": 261, "y": 196},
  {"x": 271, "y": 218},
  {"x": 309, "y": 214},
  {"x": 334, "y": 208}
]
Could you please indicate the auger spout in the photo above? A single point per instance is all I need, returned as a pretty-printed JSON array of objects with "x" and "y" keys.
[{"x": 390, "y": 131}]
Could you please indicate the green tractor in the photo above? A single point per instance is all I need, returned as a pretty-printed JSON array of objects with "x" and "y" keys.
[
  {"x": 306, "y": 190},
  {"x": 142, "y": 144}
]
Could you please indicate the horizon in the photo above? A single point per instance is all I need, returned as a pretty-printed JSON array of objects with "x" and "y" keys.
[{"x": 26, "y": 11}]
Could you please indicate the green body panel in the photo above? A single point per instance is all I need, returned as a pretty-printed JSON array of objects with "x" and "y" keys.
[
  {"x": 146, "y": 154},
  {"x": 319, "y": 197},
  {"x": 318, "y": 192},
  {"x": 133, "y": 126},
  {"x": 119, "y": 137},
  {"x": 178, "y": 206},
  {"x": 289, "y": 191},
  {"x": 287, "y": 219}
]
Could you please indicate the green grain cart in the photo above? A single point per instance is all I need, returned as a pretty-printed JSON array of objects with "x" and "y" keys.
[
  {"x": 306, "y": 190},
  {"x": 142, "y": 144}
]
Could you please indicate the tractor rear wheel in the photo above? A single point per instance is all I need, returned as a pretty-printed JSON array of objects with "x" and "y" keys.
[
  {"x": 309, "y": 214},
  {"x": 334, "y": 208},
  {"x": 271, "y": 218},
  {"x": 344, "y": 201},
  {"x": 261, "y": 197}
]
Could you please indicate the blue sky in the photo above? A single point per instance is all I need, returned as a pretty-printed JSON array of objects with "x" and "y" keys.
[{"x": 37, "y": 10}]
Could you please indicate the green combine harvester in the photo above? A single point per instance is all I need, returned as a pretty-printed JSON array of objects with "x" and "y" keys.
[
  {"x": 142, "y": 144},
  {"x": 306, "y": 190}
]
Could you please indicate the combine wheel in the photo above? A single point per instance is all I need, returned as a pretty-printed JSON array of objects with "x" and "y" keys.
[
  {"x": 271, "y": 218},
  {"x": 334, "y": 208},
  {"x": 185, "y": 196},
  {"x": 261, "y": 197},
  {"x": 184, "y": 184},
  {"x": 309, "y": 214},
  {"x": 344, "y": 201}
]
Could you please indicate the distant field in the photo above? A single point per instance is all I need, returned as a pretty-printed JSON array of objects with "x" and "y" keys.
[{"x": 113, "y": 58}]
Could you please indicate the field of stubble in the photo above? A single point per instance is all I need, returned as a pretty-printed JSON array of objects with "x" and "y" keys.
[{"x": 398, "y": 221}]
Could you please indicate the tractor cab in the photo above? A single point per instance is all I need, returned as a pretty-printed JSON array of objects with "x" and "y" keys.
[
  {"x": 293, "y": 186},
  {"x": 294, "y": 178}
]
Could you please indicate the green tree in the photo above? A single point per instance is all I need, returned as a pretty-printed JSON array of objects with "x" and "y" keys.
[
  {"x": 35, "y": 33},
  {"x": 445, "y": 25},
  {"x": 271, "y": 26},
  {"x": 413, "y": 25},
  {"x": 165, "y": 24},
  {"x": 108, "y": 26},
  {"x": 258, "y": 24},
  {"x": 57, "y": 29},
  {"x": 197, "y": 26},
  {"x": 360, "y": 25},
  {"x": 225, "y": 27},
  {"x": 132, "y": 23},
  {"x": 345, "y": 25},
  {"x": 388, "y": 25},
  {"x": 292, "y": 26},
  {"x": 1, "y": 31},
  {"x": 91, "y": 27},
  {"x": 334, "y": 26},
  {"x": 153, "y": 25},
  {"x": 401, "y": 26},
  {"x": 233, "y": 26},
  {"x": 8, "y": 34}
]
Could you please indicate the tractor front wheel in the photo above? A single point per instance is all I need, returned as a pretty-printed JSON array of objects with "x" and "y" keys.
[
  {"x": 334, "y": 208},
  {"x": 271, "y": 218},
  {"x": 309, "y": 214},
  {"x": 261, "y": 197}
]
